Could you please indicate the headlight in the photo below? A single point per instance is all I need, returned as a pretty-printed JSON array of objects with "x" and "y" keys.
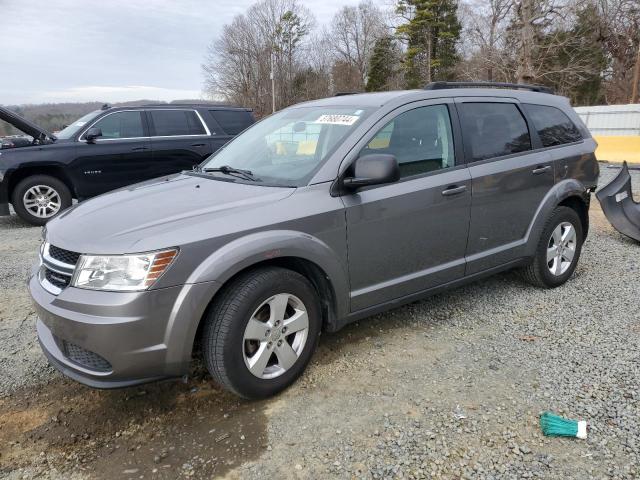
[{"x": 122, "y": 272}]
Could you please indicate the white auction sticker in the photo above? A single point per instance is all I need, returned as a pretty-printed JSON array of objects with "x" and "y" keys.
[{"x": 338, "y": 119}]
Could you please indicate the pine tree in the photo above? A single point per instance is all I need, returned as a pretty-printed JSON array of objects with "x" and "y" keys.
[
  {"x": 381, "y": 69},
  {"x": 431, "y": 32}
]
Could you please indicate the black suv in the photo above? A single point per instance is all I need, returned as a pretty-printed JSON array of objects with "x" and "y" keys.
[{"x": 108, "y": 149}]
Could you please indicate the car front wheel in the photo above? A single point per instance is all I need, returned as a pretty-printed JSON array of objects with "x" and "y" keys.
[
  {"x": 261, "y": 332},
  {"x": 39, "y": 198}
]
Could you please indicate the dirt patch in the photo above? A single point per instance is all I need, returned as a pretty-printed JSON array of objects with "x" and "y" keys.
[{"x": 164, "y": 430}]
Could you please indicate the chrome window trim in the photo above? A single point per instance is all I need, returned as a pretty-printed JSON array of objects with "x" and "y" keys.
[
  {"x": 80, "y": 139},
  {"x": 206, "y": 129},
  {"x": 204, "y": 124}
]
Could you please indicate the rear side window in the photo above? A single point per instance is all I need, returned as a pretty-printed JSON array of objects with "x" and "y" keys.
[
  {"x": 233, "y": 121},
  {"x": 169, "y": 123},
  {"x": 552, "y": 125},
  {"x": 494, "y": 129}
]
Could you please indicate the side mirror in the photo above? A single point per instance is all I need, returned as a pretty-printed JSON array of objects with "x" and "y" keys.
[
  {"x": 373, "y": 169},
  {"x": 92, "y": 134}
]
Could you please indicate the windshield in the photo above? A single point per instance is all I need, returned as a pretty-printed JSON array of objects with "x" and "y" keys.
[
  {"x": 76, "y": 126},
  {"x": 288, "y": 147}
]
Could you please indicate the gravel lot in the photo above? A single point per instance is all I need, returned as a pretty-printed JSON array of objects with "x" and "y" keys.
[{"x": 449, "y": 387}]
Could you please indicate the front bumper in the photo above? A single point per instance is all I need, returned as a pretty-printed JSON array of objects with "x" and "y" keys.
[{"x": 119, "y": 339}]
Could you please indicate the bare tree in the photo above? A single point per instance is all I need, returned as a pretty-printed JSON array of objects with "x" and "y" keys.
[
  {"x": 485, "y": 37},
  {"x": 238, "y": 64},
  {"x": 352, "y": 36},
  {"x": 621, "y": 36}
]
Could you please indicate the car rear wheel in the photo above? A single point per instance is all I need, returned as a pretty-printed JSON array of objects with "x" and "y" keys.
[
  {"x": 558, "y": 250},
  {"x": 39, "y": 198},
  {"x": 261, "y": 332}
]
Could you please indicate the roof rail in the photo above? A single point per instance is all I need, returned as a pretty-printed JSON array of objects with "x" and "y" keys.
[
  {"x": 342, "y": 94},
  {"x": 517, "y": 86},
  {"x": 194, "y": 104}
]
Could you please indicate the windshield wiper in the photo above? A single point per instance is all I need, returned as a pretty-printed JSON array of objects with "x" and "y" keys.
[{"x": 227, "y": 170}]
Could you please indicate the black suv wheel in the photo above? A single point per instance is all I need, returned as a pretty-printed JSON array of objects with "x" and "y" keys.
[
  {"x": 558, "y": 250},
  {"x": 39, "y": 198},
  {"x": 261, "y": 332}
]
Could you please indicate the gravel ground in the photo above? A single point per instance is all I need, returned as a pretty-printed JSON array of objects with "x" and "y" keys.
[{"x": 449, "y": 387}]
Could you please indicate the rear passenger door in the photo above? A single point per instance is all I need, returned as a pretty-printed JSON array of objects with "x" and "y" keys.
[
  {"x": 179, "y": 140},
  {"x": 411, "y": 235},
  {"x": 509, "y": 179}
]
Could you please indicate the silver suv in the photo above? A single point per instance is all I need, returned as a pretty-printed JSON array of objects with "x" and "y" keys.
[{"x": 321, "y": 214}]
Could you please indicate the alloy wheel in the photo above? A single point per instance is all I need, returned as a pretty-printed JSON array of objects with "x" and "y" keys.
[
  {"x": 561, "y": 248},
  {"x": 42, "y": 201},
  {"x": 275, "y": 336}
]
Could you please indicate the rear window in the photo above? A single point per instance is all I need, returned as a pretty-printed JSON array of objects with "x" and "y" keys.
[
  {"x": 233, "y": 121},
  {"x": 169, "y": 123},
  {"x": 494, "y": 129},
  {"x": 552, "y": 125}
]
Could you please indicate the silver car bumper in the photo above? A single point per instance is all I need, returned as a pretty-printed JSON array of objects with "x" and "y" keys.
[{"x": 114, "y": 339}]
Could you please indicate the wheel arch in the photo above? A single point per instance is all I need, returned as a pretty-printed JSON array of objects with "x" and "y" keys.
[
  {"x": 295, "y": 251},
  {"x": 52, "y": 170},
  {"x": 571, "y": 193}
]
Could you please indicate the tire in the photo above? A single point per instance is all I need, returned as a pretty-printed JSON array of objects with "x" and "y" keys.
[
  {"x": 230, "y": 348},
  {"x": 44, "y": 188},
  {"x": 545, "y": 273}
]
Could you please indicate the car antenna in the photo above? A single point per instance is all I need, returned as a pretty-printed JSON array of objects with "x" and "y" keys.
[{"x": 106, "y": 106}]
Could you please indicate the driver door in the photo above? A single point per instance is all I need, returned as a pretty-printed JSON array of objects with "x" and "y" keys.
[
  {"x": 410, "y": 235},
  {"x": 122, "y": 156}
]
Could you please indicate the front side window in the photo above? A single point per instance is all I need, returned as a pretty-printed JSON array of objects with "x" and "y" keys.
[
  {"x": 71, "y": 130},
  {"x": 169, "y": 123},
  {"x": 121, "y": 125},
  {"x": 552, "y": 125},
  {"x": 494, "y": 129},
  {"x": 288, "y": 147},
  {"x": 420, "y": 139}
]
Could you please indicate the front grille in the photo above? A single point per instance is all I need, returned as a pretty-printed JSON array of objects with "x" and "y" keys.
[
  {"x": 57, "y": 279},
  {"x": 64, "y": 256},
  {"x": 85, "y": 358}
]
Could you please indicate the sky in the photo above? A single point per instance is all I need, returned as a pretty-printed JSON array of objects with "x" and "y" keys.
[{"x": 114, "y": 50}]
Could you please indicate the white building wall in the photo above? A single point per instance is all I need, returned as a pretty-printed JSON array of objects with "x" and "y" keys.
[{"x": 611, "y": 119}]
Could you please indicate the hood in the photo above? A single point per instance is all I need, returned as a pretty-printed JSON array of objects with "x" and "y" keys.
[
  {"x": 25, "y": 125},
  {"x": 160, "y": 213}
]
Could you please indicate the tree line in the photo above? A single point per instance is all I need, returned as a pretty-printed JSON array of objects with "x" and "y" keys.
[{"x": 276, "y": 55}]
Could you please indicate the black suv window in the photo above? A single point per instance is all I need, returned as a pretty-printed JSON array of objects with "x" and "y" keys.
[
  {"x": 169, "y": 123},
  {"x": 420, "y": 139},
  {"x": 233, "y": 121},
  {"x": 494, "y": 129},
  {"x": 121, "y": 125},
  {"x": 552, "y": 125}
]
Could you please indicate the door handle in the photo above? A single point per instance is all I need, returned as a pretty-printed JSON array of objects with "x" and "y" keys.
[
  {"x": 453, "y": 190},
  {"x": 198, "y": 144},
  {"x": 541, "y": 169},
  {"x": 139, "y": 149}
]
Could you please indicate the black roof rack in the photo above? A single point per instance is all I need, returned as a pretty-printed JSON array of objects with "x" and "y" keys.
[
  {"x": 194, "y": 104},
  {"x": 517, "y": 86},
  {"x": 342, "y": 94}
]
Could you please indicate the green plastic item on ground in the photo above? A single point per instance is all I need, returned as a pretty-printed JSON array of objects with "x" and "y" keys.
[{"x": 556, "y": 426}]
